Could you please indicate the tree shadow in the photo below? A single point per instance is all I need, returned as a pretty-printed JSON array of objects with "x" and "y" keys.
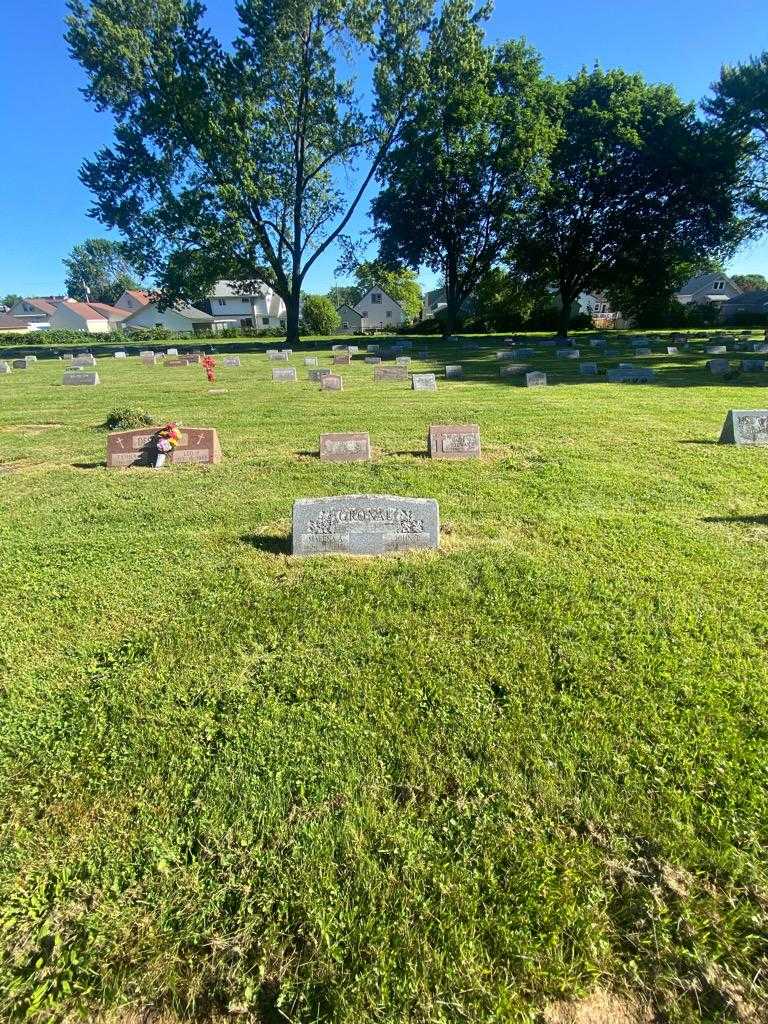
[
  {"x": 271, "y": 545},
  {"x": 748, "y": 520}
]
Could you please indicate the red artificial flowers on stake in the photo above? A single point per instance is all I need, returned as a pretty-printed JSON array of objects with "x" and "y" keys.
[{"x": 209, "y": 364}]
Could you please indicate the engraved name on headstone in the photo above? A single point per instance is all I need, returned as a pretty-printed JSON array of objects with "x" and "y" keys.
[
  {"x": 424, "y": 382},
  {"x": 347, "y": 447},
  {"x": 364, "y": 524},
  {"x": 454, "y": 371},
  {"x": 317, "y": 375},
  {"x": 745, "y": 426},
  {"x": 139, "y": 447},
  {"x": 535, "y": 379},
  {"x": 453, "y": 441}
]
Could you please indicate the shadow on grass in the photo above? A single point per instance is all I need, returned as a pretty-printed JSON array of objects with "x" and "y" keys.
[
  {"x": 308, "y": 454},
  {"x": 271, "y": 545},
  {"x": 747, "y": 520},
  {"x": 698, "y": 440},
  {"x": 89, "y": 465},
  {"x": 414, "y": 453}
]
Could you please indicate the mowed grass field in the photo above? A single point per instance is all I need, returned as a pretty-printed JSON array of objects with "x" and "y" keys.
[{"x": 473, "y": 785}]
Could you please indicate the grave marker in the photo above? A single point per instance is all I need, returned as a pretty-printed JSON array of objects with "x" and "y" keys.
[
  {"x": 631, "y": 375},
  {"x": 588, "y": 369},
  {"x": 331, "y": 382},
  {"x": 347, "y": 447},
  {"x": 454, "y": 442},
  {"x": 364, "y": 524},
  {"x": 753, "y": 365},
  {"x": 139, "y": 447},
  {"x": 568, "y": 353},
  {"x": 317, "y": 375},
  {"x": 424, "y": 382},
  {"x": 310, "y": 360},
  {"x": 453, "y": 371},
  {"x": 390, "y": 373},
  {"x": 513, "y": 369},
  {"x": 81, "y": 361},
  {"x": 231, "y": 361},
  {"x": 535, "y": 379},
  {"x": 717, "y": 367},
  {"x": 284, "y": 376},
  {"x": 342, "y": 360},
  {"x": 745, "y": 426},
  {"x": 80, "y": 377},
  {"x": 121, "y": 355}
]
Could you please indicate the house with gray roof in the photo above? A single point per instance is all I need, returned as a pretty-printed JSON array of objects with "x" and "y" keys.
[
  {"x": 747, "y": 304},
  {"x": 707, "y": 289}
]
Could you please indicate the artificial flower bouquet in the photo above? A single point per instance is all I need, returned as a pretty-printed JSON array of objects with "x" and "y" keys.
[
  {"x": 166, "y": 440},
  {"x": 209, "y": 364}
]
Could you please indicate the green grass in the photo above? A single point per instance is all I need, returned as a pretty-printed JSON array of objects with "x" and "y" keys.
[{"x": 442, "y": 787}]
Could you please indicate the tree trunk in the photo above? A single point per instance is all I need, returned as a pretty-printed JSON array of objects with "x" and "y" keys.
[
  {"x": 451, "y": 298},
  {"x": 565, "y": 315},
  {"x": 292, "y": 321}
]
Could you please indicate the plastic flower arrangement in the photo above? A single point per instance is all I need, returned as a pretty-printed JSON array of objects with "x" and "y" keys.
[
  {"x": 209, "y": 364},
  {"x": 167, "y": 439}
]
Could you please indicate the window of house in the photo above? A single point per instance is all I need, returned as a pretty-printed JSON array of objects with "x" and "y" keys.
[
  {"x": 345, "y": 325},
  {"x": 376, "y": 298},
  {"x": 222, "y": 302},
  {"x": 389, "y": 312},
  {"x": 265, "y": 320}
]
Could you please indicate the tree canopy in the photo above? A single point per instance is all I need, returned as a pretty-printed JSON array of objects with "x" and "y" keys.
[
  {"x": 244, "y": 163},
  {"x": 750, "y": 282},
  {"x": 638, "y": 186},
  {"x": 319, "y": 315},
  {"x": 99, "y": 270},
  {"x": 470, "y": 157},
  {"x": 740, "y": 105}
]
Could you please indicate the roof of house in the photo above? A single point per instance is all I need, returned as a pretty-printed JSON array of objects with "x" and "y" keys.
[
  {"x": 111, "y": 312},
  {"x": 702, "y": 281},
  {"x": 346, "y": 305},
  {"x": 44, "y": 305},
  {"x": 86, "y": 311},
  {"x": 378, "y": 288},
  {"x": 144, "y": 297},
  {"x": 236, "y": 290},
  {"x": 13, "y": 323},
  {"x": 188, "y": 312},
  {"x": 750, "y": 300}
]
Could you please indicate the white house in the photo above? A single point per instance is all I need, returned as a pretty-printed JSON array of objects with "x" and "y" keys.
[
  {"x": 236, "y": 305},
  {"x": 376, "y": 311},
  {"x": 596, "y": 305},
  {"x": 35, "y": 310},
  {"x": 133, "y": 299},
  {"x": 351, "y": 321},
  {"x": 83, "y": 316},
  {"x": 707, "y": 289},
  {"x": 184, "y": 319},
  {"x": 379, "y": 311}
]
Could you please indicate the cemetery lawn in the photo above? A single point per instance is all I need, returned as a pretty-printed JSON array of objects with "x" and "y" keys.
[{"x": 471, "y": 785}]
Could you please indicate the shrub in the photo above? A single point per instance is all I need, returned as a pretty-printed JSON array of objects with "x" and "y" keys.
[
  {"x": 127, "y": 418},
  {"x": 319, "y": 315}
]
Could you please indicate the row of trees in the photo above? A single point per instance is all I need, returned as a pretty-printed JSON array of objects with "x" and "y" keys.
[{"x": 250, "y": 162}]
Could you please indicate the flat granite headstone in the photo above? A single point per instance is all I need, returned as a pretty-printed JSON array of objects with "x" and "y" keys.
[
  {"x": 643, "y": 351},
  {"x": 753, "y": 365},
  {"x": 672, "y": 350},
  {"x": 631, "y": 375},
  {"x": 81, "y": 361},
  {"x": 535, "y": 379},
  {"x": 231, "y": 361},
  {"x": 285, "y": 375},
  {"x": 331, "y": 382},
  {"x": 4, "y": 367},
  {"x": 513, "y": 369},
  {"x": 372, "y": 348},
  {"x": 525, "y": 353},
  {"x": 372, "y": 360},
  {"x": 403, "y": 360},
  {"x": 745, "y": 426},
  {"x": 348, "y": 447},
  {"x": 719, "y": 366},
  {"x": 506, "y": 354},
  {"x": 316, "y": 375},
  {"x": 80, "y": 377},
  {"x": 147, "y": 352},
  {"x": 454, "y": 442},
  {"x": 453, "y": 371},
  {"x": 310, "y": 360},
  {"x": 588, "y": 369},
  {"x": 172, "y": 352},
  {"x": 20, "y": 364},
  {"x": 150, "y": 359},
  {"x": 121, "y": 355},
  {"x": 342, "y": 360},
  {"x": 139, "y": 447},
  {"x": 390, "y": 373},
  {"x": 364, "y": 524},
  {"x": 424, "y": 382},
  {"x": 716, "y": 350},
  {"x": 278, "y": 357},
  {"x": 568, "y": 353},
  {"x": 176, "y": 361},
  {"x": 338, "y": 348}
]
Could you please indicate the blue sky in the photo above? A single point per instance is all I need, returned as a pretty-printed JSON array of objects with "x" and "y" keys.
[{"x": 49, "y": 128}]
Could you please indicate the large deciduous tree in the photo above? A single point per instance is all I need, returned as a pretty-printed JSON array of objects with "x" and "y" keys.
[
  {"x": 244, "y": 164},
  {"x": 99, "y": 270},
  {"x": 470, "y": 158},
  {"x": 638, "y": 186},
  {"x": 740, "y": 105}
]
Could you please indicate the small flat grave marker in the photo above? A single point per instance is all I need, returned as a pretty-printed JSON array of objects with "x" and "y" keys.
[
  {"x": 372, "y": 360},
  {"x": 588, "y": 369},
  {"x": 317, "y": 375},
  {"x": 535, "y": 379},
  {"x": 121, "y": 355},
  {"x": 172, "y": 352},
  {"x": 403, "y": 360},
  {"x": 716, "y": 350},
  {"x": 232, "y": 361},
  {"x": 310, "y": 360},
  {"x": 364, "y": 524},
  {"x": 453, "y": 371},
  {"x": 342, "y": 360},
  {"x": 390, "y": 373},
  {"x": 568, "y": 353},
  {"x": 424, "y": 382},
  {"x": 454, "y": 441},
  {"x": 631, "y": 375},
  {"x": 753, "y": 365},
  {"x": 81, "y": 361},
  {"x": 513, "y": 369},
  {"x": 331, "y": 382},
  {"x": 284, "y": 376},
  {"x": 717, "y": 367},
  {"x": 672, "y": 350},
  {"x": 745, "y": 426},
  {"x": 349, "y": 447}
]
